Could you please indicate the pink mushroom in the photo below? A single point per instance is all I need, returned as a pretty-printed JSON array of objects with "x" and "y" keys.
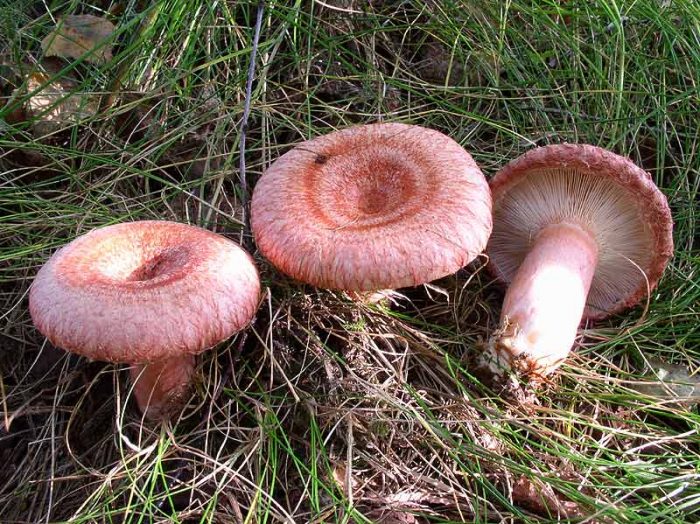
[
  {"x": 152, "y": 294},
  {"x": 372, "y": 207},
  {"x": 579, "y": 233}
]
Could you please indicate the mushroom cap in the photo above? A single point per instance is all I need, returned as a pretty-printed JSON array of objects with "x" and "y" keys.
[
  {"x": 144, "y": 291},
  {"x": 604, "y": 193},
  {"x": 372, "y": 207}
]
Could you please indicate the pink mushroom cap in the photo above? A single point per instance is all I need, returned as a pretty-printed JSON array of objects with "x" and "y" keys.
[
  {"x": 605, "y": 194},
  {"x": 372, "y": 207},
  {"x": 144, "y": 291}
]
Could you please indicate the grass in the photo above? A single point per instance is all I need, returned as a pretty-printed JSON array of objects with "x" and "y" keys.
[{"x": 332, "y": 411}]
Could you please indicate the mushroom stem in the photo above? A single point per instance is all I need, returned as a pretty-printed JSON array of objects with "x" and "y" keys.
[
  {"x": 544, "y": 304},
  {"x": 371, "y": 297},
  {"x": 159, "y": 387}
]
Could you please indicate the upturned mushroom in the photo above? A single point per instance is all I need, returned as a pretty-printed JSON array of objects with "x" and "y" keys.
[
  {"x": 151, "y": 294},
  {"x": 372, "y": 207},
  {"x": 579, "y": 233}
]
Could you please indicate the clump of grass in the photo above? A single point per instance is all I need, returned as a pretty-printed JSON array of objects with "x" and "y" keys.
[{"x": 328, "y": 410}]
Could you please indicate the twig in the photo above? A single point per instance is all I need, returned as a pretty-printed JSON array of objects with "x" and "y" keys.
[{"x": 246, "y": 236}]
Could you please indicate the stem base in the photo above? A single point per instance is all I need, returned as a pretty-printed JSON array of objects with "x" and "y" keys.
[{"x": 161, "y": 387}]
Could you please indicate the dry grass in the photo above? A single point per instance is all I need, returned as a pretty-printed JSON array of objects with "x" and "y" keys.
[{"x": 329, "y": 410}]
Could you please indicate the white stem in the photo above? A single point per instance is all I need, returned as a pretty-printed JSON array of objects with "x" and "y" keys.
[{"x": 544, "y": 304}]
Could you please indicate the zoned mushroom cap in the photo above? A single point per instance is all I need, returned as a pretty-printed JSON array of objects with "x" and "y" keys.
[
  {"x": 604, "y": 193},
  {"x": 372, "y": 207},
  {"x": 144, "y": 291}
]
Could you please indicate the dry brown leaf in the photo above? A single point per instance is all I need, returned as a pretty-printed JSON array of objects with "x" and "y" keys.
[
  {"x": 543, "y": 500},
  {"x": 393, "y": 517},
  {"x": 54, "y": 107},
  {"x": 78, "y": 35}
]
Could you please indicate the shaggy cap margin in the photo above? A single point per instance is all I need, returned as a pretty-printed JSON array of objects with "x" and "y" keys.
[
  {"x": 144, "y": 291},
  {"x": 372, "y": 207}
]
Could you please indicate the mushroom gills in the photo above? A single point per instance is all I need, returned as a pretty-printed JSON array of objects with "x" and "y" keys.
[
  {"x": 579, "y": 233},
  {"x": 596, "y": 203}
]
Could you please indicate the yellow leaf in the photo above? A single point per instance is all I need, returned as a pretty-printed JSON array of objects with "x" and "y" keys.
[{"x": 78, "y": 35}]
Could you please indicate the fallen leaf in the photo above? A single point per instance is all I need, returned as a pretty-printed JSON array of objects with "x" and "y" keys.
[
  {"x": 670, "y": 382},
  {"x": 543, "y": 500},
  {"x": 78, "y": 35},
  {"x": 55, "y": 106}
]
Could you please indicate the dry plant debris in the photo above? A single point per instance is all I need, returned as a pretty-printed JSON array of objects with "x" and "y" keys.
[
  {"x": 77, "y": 36},
  {"x": 543, "y": 500},
  {"x": 55, "y": 104},
  {"x": 669, "y": 383}
]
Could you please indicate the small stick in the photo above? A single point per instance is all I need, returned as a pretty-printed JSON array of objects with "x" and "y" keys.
[{"x": 246, "y": 235}]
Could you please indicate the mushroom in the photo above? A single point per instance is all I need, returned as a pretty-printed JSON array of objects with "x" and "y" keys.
[
  {"x": 579, "y": 233},
  {"x": 372, "y": 207},
  {"x": 152, "y": 294}
]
